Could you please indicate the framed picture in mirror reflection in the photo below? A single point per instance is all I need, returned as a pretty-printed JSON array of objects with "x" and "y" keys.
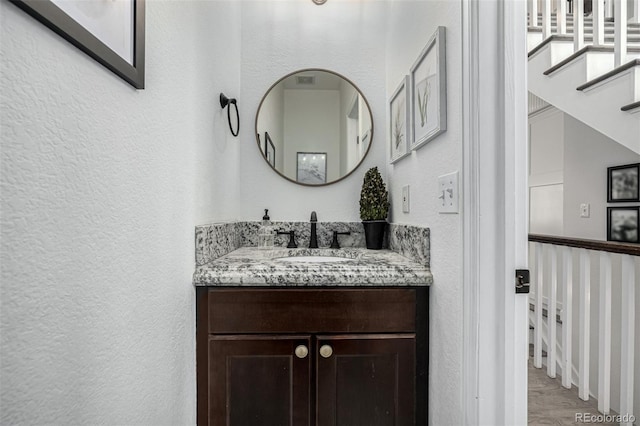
[
  {"x": 269, "y": 150},
  {"x": 311, "y": 167}
]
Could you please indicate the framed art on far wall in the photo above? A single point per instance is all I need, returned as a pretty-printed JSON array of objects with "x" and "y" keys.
[
  {"x": 312, "y": 167},
  {"x": 429, "y": 91},
  {"x": 399, "y": 119},
  {"x": 622, "y": 183},
  {"x": 111, "y": 32},
  {"x": 622, "y": 224},
  {"x": 269, "y": 150}
]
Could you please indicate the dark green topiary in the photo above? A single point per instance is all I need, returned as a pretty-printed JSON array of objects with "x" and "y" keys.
[{"x": 374, "y": 198}]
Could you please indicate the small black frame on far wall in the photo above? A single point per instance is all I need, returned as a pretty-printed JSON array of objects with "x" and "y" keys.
[
  {"x": 91, "y": 37},
  {"x": 269, "y": 150},
  {"x": 622, "y": 183},
  {"x": 622, "y": 224}
]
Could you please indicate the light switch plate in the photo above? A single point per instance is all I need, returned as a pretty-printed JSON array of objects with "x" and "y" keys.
[
  {"x": 585, "y": 210},
  {"x": 405, "y": 199},
  {"x": 448, "y": 193}
]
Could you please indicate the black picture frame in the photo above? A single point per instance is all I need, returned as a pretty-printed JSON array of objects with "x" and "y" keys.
[
  {"x": 622, "y": 183},
  {"x": 269, "y": 150},
  {"x": 65, "y": 26},
  {"x": 623, "y": 227}
]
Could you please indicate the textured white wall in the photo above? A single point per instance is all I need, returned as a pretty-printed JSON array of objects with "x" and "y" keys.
[
  {"x": 215, "y": 49},
  {"x": 279, "y": 37},
  {"x": 99, "y": 201},
  {"x": 410, "y": 26}
]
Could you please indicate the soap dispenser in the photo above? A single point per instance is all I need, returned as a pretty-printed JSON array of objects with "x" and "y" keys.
[{"x": 266, "y": 235}]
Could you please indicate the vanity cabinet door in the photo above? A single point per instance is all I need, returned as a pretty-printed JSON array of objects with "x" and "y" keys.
[
  {"x": 259, "y": 380},
  {"x": 366, "y": 380}
]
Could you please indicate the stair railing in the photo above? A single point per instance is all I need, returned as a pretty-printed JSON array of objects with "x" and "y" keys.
[
  {"x": 548, "y": 252},
  {"x": 601, "y": 10}
]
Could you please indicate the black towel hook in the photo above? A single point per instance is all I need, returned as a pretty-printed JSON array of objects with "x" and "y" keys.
[{"x": 225, "y": 103}]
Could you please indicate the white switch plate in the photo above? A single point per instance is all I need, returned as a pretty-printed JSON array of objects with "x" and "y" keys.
[
  {"x": 448, "y": 193},
  {"x": 405, "y": 199},
  {"x": 585, "y": 210}
]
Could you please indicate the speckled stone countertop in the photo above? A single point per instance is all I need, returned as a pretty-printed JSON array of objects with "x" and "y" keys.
[{"x": 253, "y": 266}]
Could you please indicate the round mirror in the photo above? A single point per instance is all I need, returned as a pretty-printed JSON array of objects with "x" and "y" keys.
[{"x": 314, "y": 127}]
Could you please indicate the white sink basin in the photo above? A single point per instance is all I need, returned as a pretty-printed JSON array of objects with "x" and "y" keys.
[{"x": 312, "y": 259}]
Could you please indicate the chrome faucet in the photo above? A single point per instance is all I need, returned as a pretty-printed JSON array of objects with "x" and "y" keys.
[{"x": 313, "y": 241}]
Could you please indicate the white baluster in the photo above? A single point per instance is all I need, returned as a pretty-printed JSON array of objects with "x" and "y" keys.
[
  {"x": 567, "y": 315},
  {"x": 546, "y": 18},
  {"x": 578, "y": 25},
  {"x": 604, "y": 358},
  {"x": 537, "y": 346},
  {"x": 533, "y": 13},
  {"x": 627, "y": 337},
  {"x": 585, "y": 288},
  {"x": 561, "y": 17},
  {"x": 620, "y": 36},
  {"x": 608, "y": 9},
  {"x": 635, "y": 12},
  {"x": 598, "y": 22},
  {"x": 551, "y": 314}
]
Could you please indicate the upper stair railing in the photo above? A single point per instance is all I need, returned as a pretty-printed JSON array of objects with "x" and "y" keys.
[
  {"x": 554, "y": 278},
  {"x": 542, "y": 12}
]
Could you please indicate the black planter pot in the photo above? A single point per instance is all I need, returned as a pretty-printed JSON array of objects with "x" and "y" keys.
[{"x": 374, "y": 233}]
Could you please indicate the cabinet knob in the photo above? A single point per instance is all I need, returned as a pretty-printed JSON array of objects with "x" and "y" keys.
[
  {"x": 326, "y": 351},
  {"x": 301, "y": 351}
]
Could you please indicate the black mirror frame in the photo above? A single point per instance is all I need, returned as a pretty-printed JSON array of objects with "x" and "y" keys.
[{"x": 370, "y": 137}]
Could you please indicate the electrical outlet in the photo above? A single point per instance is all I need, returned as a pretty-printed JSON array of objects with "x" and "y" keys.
[
  {"x": 405, "y": 199},
  {"x": 585, "y": 210},
  {"x": 448, "y": 193}
]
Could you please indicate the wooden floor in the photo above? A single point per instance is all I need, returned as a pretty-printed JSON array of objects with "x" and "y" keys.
[{"x": 552, "y": 404}]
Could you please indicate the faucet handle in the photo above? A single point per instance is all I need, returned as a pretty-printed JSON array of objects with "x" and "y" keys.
[
  {"x": 292, "y": 238},
  {"x": 334, "y": 243}
]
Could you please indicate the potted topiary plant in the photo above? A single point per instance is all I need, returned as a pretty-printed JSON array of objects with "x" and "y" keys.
[{"x": 374, "y": 207}]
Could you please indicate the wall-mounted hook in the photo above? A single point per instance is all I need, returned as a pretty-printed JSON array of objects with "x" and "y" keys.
[{"x": 226, "y": 103}]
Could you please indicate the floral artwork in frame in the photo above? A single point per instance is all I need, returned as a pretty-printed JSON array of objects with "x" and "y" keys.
[
  {"x": 429, "y": 92},
  {"x": 399, "y": 118}
]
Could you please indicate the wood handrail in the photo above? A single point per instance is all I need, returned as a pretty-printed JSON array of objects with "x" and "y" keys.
[{"x": 608, "y": 246}]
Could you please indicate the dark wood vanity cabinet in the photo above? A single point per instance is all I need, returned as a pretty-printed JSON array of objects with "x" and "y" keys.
[{"x": 312, "y": 356}]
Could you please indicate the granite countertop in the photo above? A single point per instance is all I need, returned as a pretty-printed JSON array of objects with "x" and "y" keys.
[{"x": 253, "y": 266}]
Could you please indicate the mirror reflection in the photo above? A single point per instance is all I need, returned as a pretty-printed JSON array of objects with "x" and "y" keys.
[{"x": 314, "y": 127}]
